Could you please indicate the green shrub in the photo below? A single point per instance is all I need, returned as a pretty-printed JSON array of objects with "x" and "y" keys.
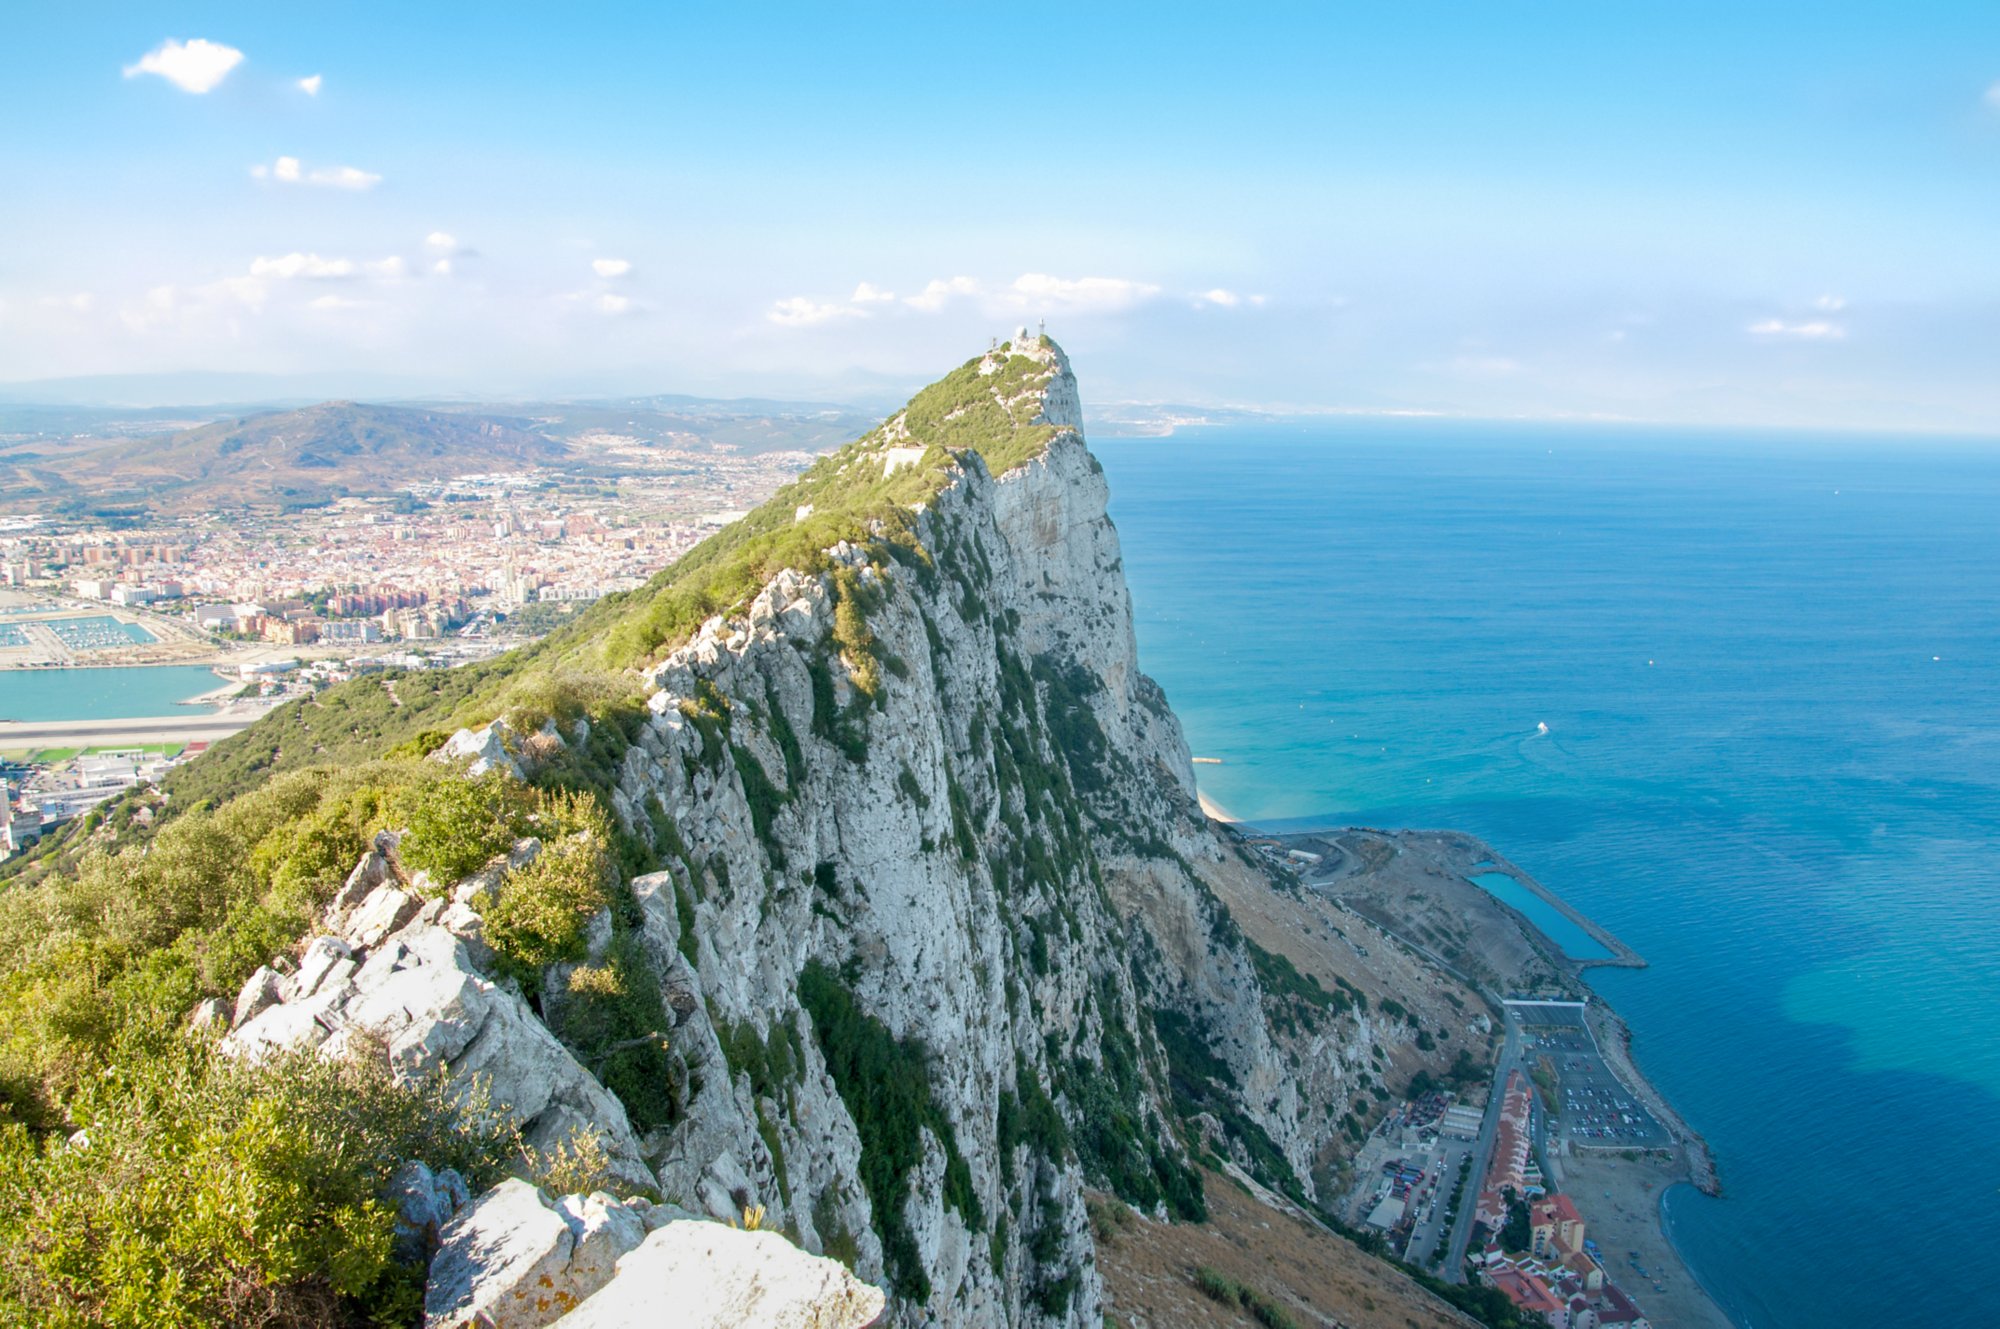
[
  {"x": 613, "y": 1019},
  {"x": 456, "y": 825},
  {"x": 209, "y": 1191},
  {"x": 764, "y": 798},
  {"x": 539, "y": 916},
  {"x": 1217, "y": 1286},
  {"x": 106, "y": 964}
]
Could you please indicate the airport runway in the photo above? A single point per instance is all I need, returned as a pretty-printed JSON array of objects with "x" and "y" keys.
[{"x": 27, "y": 735}]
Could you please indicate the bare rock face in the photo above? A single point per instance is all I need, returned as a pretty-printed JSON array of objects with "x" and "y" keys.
[
  {"x": 492, "y": 748},
  {"x": 425, "y": 1200},
  {"x": 261, "y": 990},
  {"x": 517, "y": 1260},
  {"x": 419, "y": 993},
  {"x": 707, "y": 1276}
]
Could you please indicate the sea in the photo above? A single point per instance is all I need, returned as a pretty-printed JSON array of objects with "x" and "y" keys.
[
  {"x": 111, "y": 693},
  {"x": 1769, "y": 670}
]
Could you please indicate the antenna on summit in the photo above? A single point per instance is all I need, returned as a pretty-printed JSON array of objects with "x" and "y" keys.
[{"x": 1041, "y": 327}]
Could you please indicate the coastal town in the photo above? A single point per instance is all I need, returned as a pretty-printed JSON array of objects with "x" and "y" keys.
[
  {"x": 1441, "y": 1175},
  {"x": 278, "y": 606},
  {"x": 1499, "y": 1182},
  {"x": 410, "y": 566}
]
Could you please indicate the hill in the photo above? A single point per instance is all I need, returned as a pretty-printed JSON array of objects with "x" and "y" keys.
[
  {"x": 846, "y": 880},
  {"x": 284, "y": 458}
]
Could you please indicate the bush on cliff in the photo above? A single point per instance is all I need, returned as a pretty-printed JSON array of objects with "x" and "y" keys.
[
  {"x": 456, "y": 826},
  {"x": 105, "y": 965},
  {"x": 885, "y": 1083},
  {"x": 539, "y": 916},
  {"x": 202, "y": 1190}
]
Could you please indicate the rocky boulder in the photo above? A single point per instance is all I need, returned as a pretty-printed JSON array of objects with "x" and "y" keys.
[
  {"x": 419, "y": 993},
  {"x": 489, "y": 749},
  {"x": 716, "y": 1277},
  {"x": 518, "y": 1260}
]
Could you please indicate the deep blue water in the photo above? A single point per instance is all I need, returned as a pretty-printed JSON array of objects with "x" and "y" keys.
[{"x": 1770, "y": 671}]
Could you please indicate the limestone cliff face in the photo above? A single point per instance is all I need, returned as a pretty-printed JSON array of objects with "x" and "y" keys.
[
  {"x": 933, "y": 920},
  {"x": 1001, "y": 854}
]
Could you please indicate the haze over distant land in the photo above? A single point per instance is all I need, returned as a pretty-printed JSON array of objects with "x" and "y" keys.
[{"x": 1675, "y": 217}]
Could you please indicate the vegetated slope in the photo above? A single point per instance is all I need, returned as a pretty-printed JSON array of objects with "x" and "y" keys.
[
  {"x": 592, "y": 660},
  {"x": 303, "y": 457},
  {"x": 873, "y": 890},
  {"x": 1254, "y": 1264}
]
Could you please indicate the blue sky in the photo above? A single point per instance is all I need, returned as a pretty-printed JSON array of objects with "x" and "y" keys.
[{"x": 1742, "y": 214}]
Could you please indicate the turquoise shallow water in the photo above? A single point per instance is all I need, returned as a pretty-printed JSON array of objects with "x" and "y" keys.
[
  {"x": 101, "y": 694},
  {"x": 1770, "y": 670},
  {"x": 1575, "y": 942}
]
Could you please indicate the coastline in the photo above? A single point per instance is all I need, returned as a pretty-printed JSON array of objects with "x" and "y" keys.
[
  {"x": 1215, "y": 810},
  {"x": 1397, "y": 878},
  {"x": 1622, "y": 956}
]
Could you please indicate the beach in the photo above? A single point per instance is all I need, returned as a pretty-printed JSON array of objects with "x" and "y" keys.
[
  {"x": 1620, "y": 1197},
  {"x": 1214, "y": 810}
]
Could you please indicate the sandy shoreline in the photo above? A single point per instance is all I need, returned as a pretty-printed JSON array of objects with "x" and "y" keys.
[
  {"x": 1622, "y": 1203},
  {"x": 1215, "y": 810}
]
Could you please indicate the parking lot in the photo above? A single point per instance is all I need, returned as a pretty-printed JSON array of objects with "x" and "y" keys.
[{"x": 1593, "y": 1110}]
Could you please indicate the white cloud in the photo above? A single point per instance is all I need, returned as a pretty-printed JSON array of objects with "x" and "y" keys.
[
  {"x": 1812, "y": 330},
  {"x": 310, "y": 85},
  {"x": 289, "y": 170},
  {"x": 154, "y": 310},
  {"x": 344, "y": 177},
  {"x": 196, "y": 66},
  {"x": 309, "y": 266},
  {"x": 334, "y": 302},
  {"x": 1993, "y": 96},
  {"x": 444, "y": 240},
  {"x": 389, "y": 269},
  {"x": 611, "y": 267},
  {"x": 441, "y": 268},
  {"x": 613, "y": 304},
  {"x": 80, "y": 303},
  {"x": 1831, "y": 304},
  {"x": 799, "y": 312},
  {"x": 1080, "y": 294},
  {"x": 173, "y": 307},
  {"x": 250, "y": 292},
  {"x": 1218, "y": 296},
  {"x": 867, "y": 293},
  {"x": 937, "y": 293}
]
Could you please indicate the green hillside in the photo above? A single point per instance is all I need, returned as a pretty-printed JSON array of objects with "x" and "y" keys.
[{"x": 294, "y": 458}]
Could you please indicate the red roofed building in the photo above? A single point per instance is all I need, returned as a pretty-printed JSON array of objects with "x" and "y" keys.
[
  {"x": 1531, "y": 1294},
  {"x": 1555, "y": 1228},
  {"x": 1509, "y": 1167}
]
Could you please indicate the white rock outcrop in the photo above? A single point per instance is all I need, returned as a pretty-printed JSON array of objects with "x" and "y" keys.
[
  {"x": 491, "y": 748},
  {"x": 418, "y": 993},
  {"x": 515, "y": 1259},
  {"x": 707, "y": 1276}
]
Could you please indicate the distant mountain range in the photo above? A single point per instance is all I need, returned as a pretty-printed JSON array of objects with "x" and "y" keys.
[
  {"x": 278, "y": 459},
  {"x": 80, "y": 459}
]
